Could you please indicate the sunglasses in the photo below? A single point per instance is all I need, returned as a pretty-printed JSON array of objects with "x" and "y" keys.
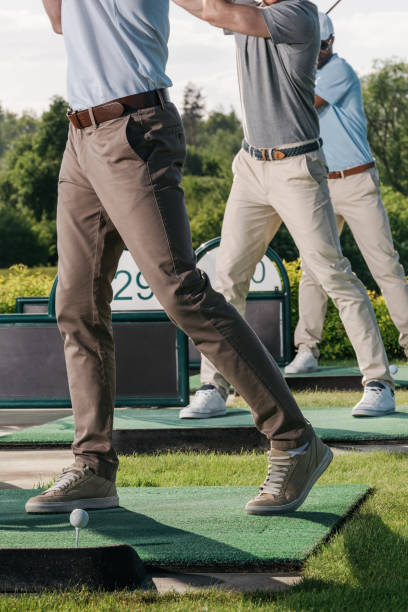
[{"x": 325, "y": 44}]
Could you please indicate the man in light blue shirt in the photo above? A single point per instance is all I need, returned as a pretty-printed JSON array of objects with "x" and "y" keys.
[
  {"x": 355, "y": 193},
  {"x": 120, "y": 184},
  {"x": 108, "y": 57}
]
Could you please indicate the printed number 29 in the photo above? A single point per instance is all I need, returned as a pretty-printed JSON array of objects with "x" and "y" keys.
[{"x": 140, "y": 283}]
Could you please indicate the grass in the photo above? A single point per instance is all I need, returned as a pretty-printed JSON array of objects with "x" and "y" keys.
[
  {"x": 363, "y": 568},
  {"x": 50, "y": 271},
  {"x": 321, "y": 399}
]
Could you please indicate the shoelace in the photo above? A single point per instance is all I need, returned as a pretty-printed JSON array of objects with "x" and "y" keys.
[
  {"x": 202, "y": 394},
  {"x": 373, "y": 390},
  {"x": 277, "y": 470},
  {"x": 69, "y": 475}
]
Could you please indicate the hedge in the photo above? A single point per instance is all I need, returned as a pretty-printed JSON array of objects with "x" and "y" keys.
[
  {"x": 20, "y": 281},
  {"x": 335, "y": 343}
]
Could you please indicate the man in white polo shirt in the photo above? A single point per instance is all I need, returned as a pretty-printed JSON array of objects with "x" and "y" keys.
[
  {"x": 280, "y": 175},
  {"x": 355, "y": 194},
  {"x": 120, "y": 184}
]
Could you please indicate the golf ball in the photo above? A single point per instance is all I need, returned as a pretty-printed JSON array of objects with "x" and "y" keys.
[
  {"x": 79, "y": 518},
  {"x": 393, "y": 370}
]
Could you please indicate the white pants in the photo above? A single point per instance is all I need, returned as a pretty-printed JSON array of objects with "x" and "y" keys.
[
  {"x": 357, "y": 201},
  {"x": 293, "y": 190}
]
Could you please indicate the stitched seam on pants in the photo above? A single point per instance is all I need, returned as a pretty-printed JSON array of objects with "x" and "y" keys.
[
  {"x": 94, "y": 305},
  {"x": 164, "y": 225}
]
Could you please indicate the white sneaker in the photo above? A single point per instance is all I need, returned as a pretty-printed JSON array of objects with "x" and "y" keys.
[
  {"x": 304, "y": 362},
  {"x": 208, "y": 402},
  {"x": 378, "y": 400}
]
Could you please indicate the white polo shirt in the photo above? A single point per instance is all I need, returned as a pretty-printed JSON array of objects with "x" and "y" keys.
[{"x": 115, "y": 48}]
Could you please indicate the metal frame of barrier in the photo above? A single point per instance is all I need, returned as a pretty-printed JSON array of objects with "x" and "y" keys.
[
  {"x": 283, "y": 296},
  {"x": 180, "y": 398}
]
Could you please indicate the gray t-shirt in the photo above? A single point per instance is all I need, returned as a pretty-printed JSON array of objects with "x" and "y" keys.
[{"x": 277, "y": 75}]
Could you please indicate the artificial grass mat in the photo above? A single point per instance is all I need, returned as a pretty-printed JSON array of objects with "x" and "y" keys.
[
  {"x": 326, "y": 370},
  {"x": 189, "y": 526},
  {"x": 334, "y": 424}
]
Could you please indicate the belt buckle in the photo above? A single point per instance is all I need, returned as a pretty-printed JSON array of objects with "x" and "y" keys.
[
  {"x": 73, "y": 117},
  {"x": 278, "y": 155}
]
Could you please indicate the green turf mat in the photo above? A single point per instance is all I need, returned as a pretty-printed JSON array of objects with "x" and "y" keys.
[
  {"x": 401, "y": 378},
  {"x": 330, "y": 424},
  {"x": 188, "y": 526}
]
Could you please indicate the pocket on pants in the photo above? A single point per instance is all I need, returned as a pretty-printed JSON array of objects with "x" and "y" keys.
[{"x": 314, "y": 167}]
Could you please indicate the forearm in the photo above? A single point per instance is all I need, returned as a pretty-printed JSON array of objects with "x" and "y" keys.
[
  {"x": 195, "y": 7},
  {"x": 53, "y": 10},
  {"x": 239, "y": 18},
  {"x": 320, "y": 103}
]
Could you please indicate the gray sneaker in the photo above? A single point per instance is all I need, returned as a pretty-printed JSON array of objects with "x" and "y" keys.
[
  {"x": 207, "y": 403},
  {"x": 304, "y": 362},
  {"x": 77, "y": 487},
  {"x": 290, "y": 478}
]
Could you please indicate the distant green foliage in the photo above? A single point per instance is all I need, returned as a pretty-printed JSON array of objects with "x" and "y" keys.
[
  {"x": 20, "y": 239},
  {"x": 385, "y": 92},
  {"x": 29, "y": 173},
  {"x": 335, "y": 344},
  {"x": 21, "y": 281}
]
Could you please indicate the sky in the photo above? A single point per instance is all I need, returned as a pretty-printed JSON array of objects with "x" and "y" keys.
[{"x": 33, "y": 66}]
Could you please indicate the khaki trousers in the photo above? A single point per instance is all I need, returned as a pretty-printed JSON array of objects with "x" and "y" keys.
[
  {"x": 357, "y": 201},
  {"x": 120, "y": 184},
  {"x": 293, "y": 190}
]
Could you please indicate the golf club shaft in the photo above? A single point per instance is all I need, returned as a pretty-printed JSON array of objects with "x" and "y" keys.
[{"x": 333, "y": 7}]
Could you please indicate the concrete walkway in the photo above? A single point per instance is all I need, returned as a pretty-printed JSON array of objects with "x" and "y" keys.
[{"x": 30, "y": 469}]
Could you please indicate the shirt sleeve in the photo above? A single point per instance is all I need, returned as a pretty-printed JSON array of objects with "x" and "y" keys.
[
  {"x": 288, "y": 23},
  {"x": 248, "y": 3},
  {"x": 334, "y": 81}
]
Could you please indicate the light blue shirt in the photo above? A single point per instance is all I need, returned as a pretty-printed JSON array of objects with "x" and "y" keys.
[
  {"x": 343, "y": 124},
  {"x": 115, "y": 48}
]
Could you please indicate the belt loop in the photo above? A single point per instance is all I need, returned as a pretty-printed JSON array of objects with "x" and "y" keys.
[
  {"x": 342, "y": 174},
  {"x": 92, "y": 117},
  {"x": 161, "y": 98}
]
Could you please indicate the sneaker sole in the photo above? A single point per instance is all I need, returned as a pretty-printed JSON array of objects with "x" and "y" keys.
[
  {"x": 371, "y": 413},
  {"x": 95, "y": 503},
  {"x": 305, "y": 371},
  {"x": 267, "y": 510},
  {"x": 201, "y": 415}
]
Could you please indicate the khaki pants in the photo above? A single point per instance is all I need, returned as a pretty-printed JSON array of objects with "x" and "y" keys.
[
  {"x": 357, "y": 201},
  {"x": 294, "y": 191},
  {"x": 120, "y": 184}
]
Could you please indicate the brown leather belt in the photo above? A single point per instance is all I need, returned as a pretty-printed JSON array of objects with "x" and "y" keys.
[
  {"x": 356, "y": 170},
  {"x": 117, "y": 108}
]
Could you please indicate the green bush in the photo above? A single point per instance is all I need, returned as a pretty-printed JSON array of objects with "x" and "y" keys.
[
  {"x": 335, "y": 343},
  {"x": 19, "y": 241},
  {"x": 21, "y": 281}
]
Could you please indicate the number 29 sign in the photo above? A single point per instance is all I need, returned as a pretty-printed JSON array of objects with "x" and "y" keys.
[{"x": 131, "y": 292}]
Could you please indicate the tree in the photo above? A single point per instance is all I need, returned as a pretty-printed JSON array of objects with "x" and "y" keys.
[
  {"x": 18, "y": 241},
  {"x": 385, "y": 93},
  {"x": 193, "y": 111},
  {"x": 29, "y": 176},
  {"x": 12, "y": 126}
]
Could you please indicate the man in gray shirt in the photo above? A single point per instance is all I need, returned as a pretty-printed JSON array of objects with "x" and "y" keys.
[{"x": 280, "y": 175}]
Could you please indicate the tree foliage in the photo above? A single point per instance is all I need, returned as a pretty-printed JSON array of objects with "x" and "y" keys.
[
  {"x": 193, "y": 110},
  {"x": 31, "y": 150},
  {"x": 29, "y": 174},
  {"x": 385, "y": 92}
]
